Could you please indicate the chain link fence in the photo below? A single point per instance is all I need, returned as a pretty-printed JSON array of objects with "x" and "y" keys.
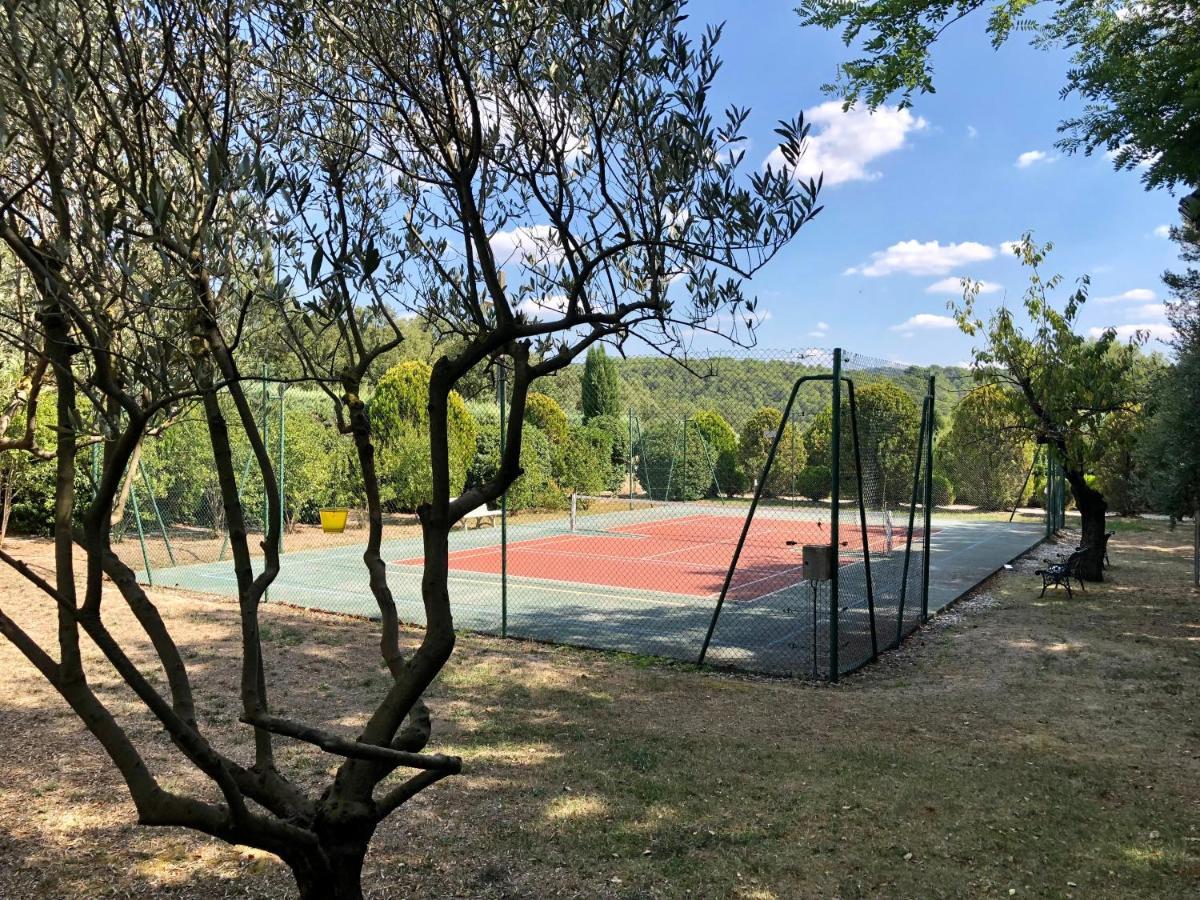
[{"x": 769, "y": 511}]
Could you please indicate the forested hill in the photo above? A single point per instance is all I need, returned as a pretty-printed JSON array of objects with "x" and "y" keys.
[{"x": 735, "y": 387}]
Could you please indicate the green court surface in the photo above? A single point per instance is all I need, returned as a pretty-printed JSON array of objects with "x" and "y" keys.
[{"x": 783, "y": 630}]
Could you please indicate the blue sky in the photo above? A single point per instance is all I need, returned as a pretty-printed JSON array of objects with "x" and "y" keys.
[{"x": 913, "y": 199}]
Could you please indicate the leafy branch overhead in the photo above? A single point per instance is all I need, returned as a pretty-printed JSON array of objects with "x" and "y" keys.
[{"x": 1133, "y": 65}]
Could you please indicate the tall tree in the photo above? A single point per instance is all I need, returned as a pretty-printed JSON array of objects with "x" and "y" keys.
[
  {"x": 526, "y": 179},
  {"x": 1134, "y": 64},
  {"x": 987, "y": 453},
  {"x": 1169, "y": 448},
  {"x": 1063, "y": 385},
  {"x": 601, "y": 385}
]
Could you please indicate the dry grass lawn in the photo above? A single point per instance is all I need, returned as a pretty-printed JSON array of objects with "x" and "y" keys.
[{"x": 1016, "y": 747}]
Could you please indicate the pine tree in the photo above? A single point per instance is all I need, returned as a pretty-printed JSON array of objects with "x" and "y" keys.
[{"x": 601, "y": 387}]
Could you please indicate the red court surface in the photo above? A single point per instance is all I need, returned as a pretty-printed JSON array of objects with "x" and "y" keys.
[{"x": 684, "y": 556}]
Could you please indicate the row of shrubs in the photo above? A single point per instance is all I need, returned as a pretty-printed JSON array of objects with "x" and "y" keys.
[{"x": 683, "y": 458}]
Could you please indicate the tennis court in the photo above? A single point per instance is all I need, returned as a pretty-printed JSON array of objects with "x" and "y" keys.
[{"x": 644, "y": 577}]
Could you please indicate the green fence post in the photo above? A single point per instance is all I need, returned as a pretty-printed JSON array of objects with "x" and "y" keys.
[
  {"x": 862, "y": 516},
  {"x": 683, "y": 475},
  {"x": 928, "y": 503},
  {"x": 266, "y": 509},
  {"x": 835, "y": 450},
  {"x": 926, "y": 422},
  {"x": 629, "y": 459},
  {"x": 162, "y": 526},
  {"x": 137, "y": 518},
  {"x": 1048, "y": 494},
  {"x": 282, "y": 494},
  {"x": 758, "y": 492},
  {"x": 503, "y": 518}
]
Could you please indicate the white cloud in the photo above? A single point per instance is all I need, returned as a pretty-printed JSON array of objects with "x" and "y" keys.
[
  {"x": 820, "y": 330},
  {"x": 1156, "y": 331},
  {"x": 925, "y": 321},
  {"x": 972, "y": 131},
  {"x": 842, "y": 145},
  {"x": 1008, "y": 248},
  {"x": 535, "y": 243},
  {"x": 1148, "y": 311},
  {"x": 1162, "y": 231},
  {"x": 543, "y": 307},
  {"x": 1033, "y": 157},
  {"x": 1139, "y": 295},
  {"x": 954, "y": 285},
  {"x": 928, "y": 258}
]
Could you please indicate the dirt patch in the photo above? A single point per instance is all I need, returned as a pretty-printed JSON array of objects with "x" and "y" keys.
[{"x": 1015, "y": 747}]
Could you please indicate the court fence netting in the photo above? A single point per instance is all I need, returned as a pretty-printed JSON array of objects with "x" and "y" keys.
[{"x": 767, "y": 511}]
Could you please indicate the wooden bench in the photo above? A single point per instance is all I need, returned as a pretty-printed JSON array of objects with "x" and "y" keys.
[
  {"x": 1060, "y": 574},
  {"x": 479, "y": 515}
]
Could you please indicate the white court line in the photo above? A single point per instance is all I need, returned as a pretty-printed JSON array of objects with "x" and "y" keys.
[{"x": 660, "y": 597}]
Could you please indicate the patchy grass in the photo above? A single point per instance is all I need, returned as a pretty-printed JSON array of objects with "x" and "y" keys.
[{"x": 1015, "y": 747}]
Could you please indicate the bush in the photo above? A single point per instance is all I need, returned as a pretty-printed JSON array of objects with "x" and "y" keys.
[
  {"x": 616, "y": 432},
  {"x": 815, "y": 482},
  {"x": 32, "y": 479},
  {"x": 586, "y": 461},
  {"x": 668, "y": 468},
  {"x": 943, "y": 490},
  {"x": 755, "y": 444},
  {"x": 400, "y": 421},
  {"x": 536, "y": 488},
  {"x": 986, "y": 454},
  {"x": 544, "y": 412},
  {"x": 728, "y": 476}
]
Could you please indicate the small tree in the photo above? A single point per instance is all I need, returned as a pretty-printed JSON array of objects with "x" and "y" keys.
[
  {"x": 601, "y": 385},
  {"x": 889, "y": 422},
  {"x": 722, "y": 440},
  {"x": 755, "y": 444},
  {"x": 1063, "y": 386},
  {"x": 987, "y": 453},
  {"x": 400, "y": 418},
  {"x": 1168, "y": 450},
  {"x": 675, "y": 461}
]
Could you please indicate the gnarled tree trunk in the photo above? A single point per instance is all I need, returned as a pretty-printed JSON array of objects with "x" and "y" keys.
[{"x": 1092, "y": 509}]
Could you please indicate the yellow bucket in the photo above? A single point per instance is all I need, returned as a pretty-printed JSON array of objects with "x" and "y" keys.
[{"x": 333, "y": 521}]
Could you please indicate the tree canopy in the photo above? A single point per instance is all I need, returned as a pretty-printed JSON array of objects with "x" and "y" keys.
[
  {"x": 1134, "y": 65},
  {"x": 1063, "y": 385}
]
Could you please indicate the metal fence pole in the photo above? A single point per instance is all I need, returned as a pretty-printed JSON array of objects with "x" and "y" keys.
[
  {"x": 835, "y": 450},
  {"x": 862, "y": 517},
  {"x": 629, "y": 459},
  {"x": 926, "y": 420},
  {"x": 137, "y": 518},
  {"x": 928, "y": 502},
  {"x": 162, "y": 526},
  {"x": 266, "y": 507},
  {"x": 282, "y": 467},
  {"x": 758, "y": 491},
  {"x": 503, "y": 516},
  {"x": 683, "y": 475},
  {"x": 1048, "y": 494}
]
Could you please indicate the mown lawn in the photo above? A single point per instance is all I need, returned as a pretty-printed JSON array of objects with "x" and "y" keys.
[{"x": 1016, "y": 747}]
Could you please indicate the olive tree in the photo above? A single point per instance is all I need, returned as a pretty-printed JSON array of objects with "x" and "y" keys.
[
  {"x": 528, "y": 181},
  {"x": 1063, "y": 386}
]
